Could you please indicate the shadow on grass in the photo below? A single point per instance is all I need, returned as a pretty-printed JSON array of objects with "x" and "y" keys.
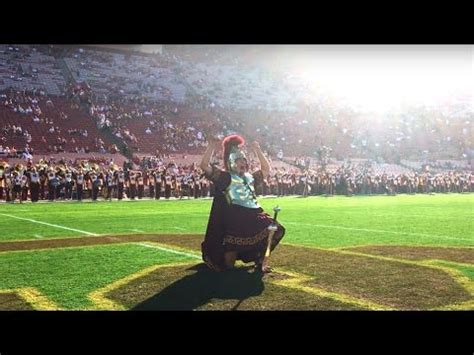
[{"x": 193, "y": 291}]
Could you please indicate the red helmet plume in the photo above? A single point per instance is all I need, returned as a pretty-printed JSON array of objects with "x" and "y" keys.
[{"x": 233, "y": 140}]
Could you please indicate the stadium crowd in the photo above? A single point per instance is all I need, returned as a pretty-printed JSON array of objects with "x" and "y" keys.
[
  {"x": 76, "y": 100},
  {"x": 154, "y": 178}
]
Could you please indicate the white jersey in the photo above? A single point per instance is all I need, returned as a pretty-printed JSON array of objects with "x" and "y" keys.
[
  {"x": 35, "y": 177},
  {"x": 110, "y": 180},
  {"x": 24, "y": 181},
  {"x": 17, "y": 181}
]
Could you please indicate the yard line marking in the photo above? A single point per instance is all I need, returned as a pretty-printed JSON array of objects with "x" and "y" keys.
[
  {"x": 38, "y": 236},
  {"x": 99, "y": 297},
  {"x": 34, "y": 297},
  {"x": 395, "y": 214},
  {"x": 378, "y": 231},
  {"x": 298, "y": 281},
  {"x": 48, "y": 224},
  {"x": 169, "y": 250},
  {"x": 182, "y": 229}
]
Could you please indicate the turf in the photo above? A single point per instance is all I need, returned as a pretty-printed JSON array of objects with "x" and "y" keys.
[
  {"x": 66, "y": 276},
  {"x": 430, "y": 220},
  {"x": 362, "y": 252}
]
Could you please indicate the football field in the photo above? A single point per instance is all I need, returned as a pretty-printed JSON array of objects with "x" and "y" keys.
[{"x": 405, "y": 252}]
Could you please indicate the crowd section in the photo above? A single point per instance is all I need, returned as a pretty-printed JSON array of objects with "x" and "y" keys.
[
  {"x": 160, "y": 177},
  {"x": 74, "y": 100}
]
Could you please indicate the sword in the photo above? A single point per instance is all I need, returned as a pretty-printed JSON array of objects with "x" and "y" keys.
[{"x": 272, "y": 228}]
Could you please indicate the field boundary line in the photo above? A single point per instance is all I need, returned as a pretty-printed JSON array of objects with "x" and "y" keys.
[
  {"x": 377, "y": 231},
  {"x": 455, "y": 274},
  {"x": 166, "y": 248},
  {"x": 297, "y": 280},
  {"x": 48, "y": 224},
  {"x": 34, "y": 297},
  {"x": 66, "y": 247},
  {"x": 398, "y": 246},
  {"x": 102, "y": 302}
]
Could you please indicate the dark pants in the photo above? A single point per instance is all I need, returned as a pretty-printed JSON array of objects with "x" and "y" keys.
[
  {"x": 120, "y": 190},
  {"x": 34, "y": 187},
  {"x": 16, "y": 192},
  {"x": 133, "y": 191},
  {"x": 167, "y": 191},
  {"x": 58, "y": 191},
  {"x": 157, "y": 191},
  {"x": 79, "y": 192},
  {"x": 68, "y": 190},
  {"x": 24, "y": 193},
  {"x": 95, "y": 192},
  {"x": 110, "y": 192},
  {"x": 51, "y": 192}
]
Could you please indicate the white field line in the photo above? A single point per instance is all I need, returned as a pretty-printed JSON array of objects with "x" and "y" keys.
[
  {"x": 48, "y": 224},
  {"x": 378, "y": 231},
  {"x": 169, "y": 250}
]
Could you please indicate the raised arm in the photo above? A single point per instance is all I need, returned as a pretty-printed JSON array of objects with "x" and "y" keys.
[
  {"x": 213, "y": 145},
  {"x": 265, "y": 165}
]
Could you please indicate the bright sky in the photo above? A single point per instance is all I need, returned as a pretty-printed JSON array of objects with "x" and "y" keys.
[{"x": 377, "y": 78}]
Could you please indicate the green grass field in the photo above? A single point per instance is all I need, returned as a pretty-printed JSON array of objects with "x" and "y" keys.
[{"x": 365, "y": 252}]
